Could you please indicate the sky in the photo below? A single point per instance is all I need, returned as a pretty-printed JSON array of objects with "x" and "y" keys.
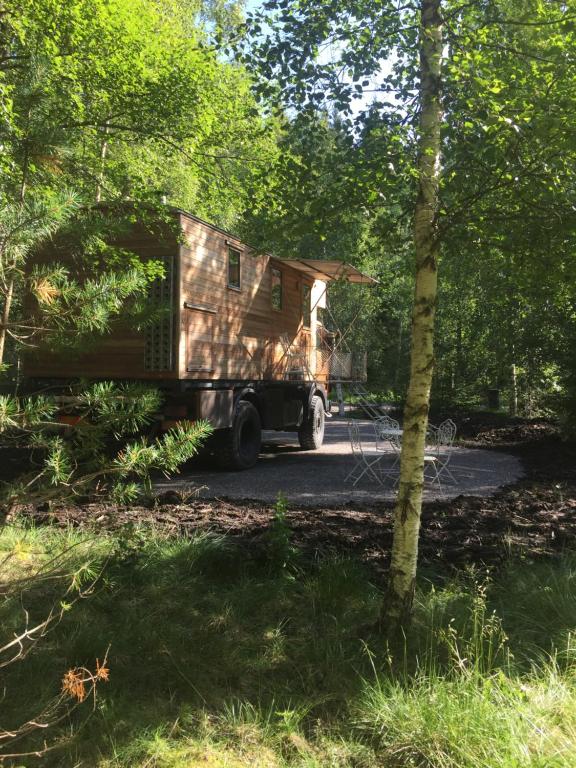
[{"x": 359, "y": 104}]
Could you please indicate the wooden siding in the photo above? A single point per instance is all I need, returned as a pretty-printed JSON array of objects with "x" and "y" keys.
[
  {"x": 219, "y": 332},
  {"x": 246, "y": 329}
]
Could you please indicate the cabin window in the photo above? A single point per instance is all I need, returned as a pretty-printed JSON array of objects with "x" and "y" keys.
[
  {"x": 233, "y": 268},
  {"x": 306, "y": 306},
  {"x": 276, "y": 288}
]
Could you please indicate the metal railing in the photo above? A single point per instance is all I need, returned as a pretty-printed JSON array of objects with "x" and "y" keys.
[{"x": 343, "y": 366}]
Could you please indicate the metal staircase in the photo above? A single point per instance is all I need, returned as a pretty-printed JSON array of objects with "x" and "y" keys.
[{"x": 365, "y": 402}]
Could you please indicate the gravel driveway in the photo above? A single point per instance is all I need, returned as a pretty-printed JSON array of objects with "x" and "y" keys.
[{"x": 316, "y": 478}]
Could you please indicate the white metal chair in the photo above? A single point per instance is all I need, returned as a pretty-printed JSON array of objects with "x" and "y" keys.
[
  {"x": 438, "y": 457},
  {"x": 365, "y": 461},
  {"x": 388, "y": 433}
]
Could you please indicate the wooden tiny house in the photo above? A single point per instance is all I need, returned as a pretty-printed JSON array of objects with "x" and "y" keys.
[{"x": 235, "y": 326}]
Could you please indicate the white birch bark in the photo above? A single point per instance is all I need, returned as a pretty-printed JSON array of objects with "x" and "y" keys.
[{"x": 398, "y": 606}]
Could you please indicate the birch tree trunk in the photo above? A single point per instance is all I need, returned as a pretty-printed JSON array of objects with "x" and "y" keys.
[
  {"x": 514, "y": 398},
  {"x": 11, "y": 269},
  {"x": 103, "y": 153},
  {"x": 6, "y": 317},
  {"x": 398, "y": 606}
]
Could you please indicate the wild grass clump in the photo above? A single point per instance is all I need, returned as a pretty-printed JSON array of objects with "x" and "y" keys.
[
  {"x": 470, "y": 686},
  {"x": 228, "y": 654},
  {"x": 464, "y": 720}
]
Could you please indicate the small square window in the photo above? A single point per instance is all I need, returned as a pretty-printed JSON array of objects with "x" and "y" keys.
[
  {"x": 233, "y": 268},
  {"x": 276, "y": 289},
  {"x": 306, "y": 306}
]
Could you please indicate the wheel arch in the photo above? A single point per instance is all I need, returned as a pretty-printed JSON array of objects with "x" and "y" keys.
[
  {"x": 317, "y": 390},
  {"x": 249, "y": 395}
]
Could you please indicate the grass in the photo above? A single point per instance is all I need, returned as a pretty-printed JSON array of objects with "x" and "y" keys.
[{"x": 223, "y": 655}]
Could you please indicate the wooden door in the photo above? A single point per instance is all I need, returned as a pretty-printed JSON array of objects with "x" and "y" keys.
[{"x": 199, "y": 338}]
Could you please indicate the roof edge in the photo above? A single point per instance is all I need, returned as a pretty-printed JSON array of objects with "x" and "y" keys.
[{"x": 181, "y": 212}]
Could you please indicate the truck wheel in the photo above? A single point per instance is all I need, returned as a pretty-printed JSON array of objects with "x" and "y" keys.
[
  {"x": 311, "y": 433},
  {"x": 240, "y": 446}
]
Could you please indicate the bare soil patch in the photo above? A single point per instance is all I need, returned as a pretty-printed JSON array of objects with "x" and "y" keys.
[{"x": 534, "y": 518}]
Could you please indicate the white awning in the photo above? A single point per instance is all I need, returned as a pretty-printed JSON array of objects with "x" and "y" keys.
[{"x": 318, "y": 269}]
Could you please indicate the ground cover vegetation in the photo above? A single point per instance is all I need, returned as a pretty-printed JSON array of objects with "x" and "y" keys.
[
  {"x": 238, "y": 634},
  {"x": 236, "y": 649}
]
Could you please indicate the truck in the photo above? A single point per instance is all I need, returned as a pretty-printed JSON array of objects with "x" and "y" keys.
[{"x": 239, "y": 341}]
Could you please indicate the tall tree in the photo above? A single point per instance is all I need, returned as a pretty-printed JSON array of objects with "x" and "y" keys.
[
  {"x": 117, "y": 99},
  {"x": 380, "y": 63},
  {"x": 404, "y": 557},
  {"x": 510, "y": 226},
  {"x": 129, "y": 98},
  {"x": 363, "y": 44},
  {"x": 23, "y": 226}
]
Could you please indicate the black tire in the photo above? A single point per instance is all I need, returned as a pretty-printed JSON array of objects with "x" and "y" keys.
[
  {"x": 311, "y": 433},
  {"x": 240, "y": 445}
]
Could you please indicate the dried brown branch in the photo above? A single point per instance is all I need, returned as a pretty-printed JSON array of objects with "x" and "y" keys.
[{"x": 78, "y": 683}]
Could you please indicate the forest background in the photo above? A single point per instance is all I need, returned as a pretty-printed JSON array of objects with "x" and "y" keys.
[{"x": 134, "y": 99}]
